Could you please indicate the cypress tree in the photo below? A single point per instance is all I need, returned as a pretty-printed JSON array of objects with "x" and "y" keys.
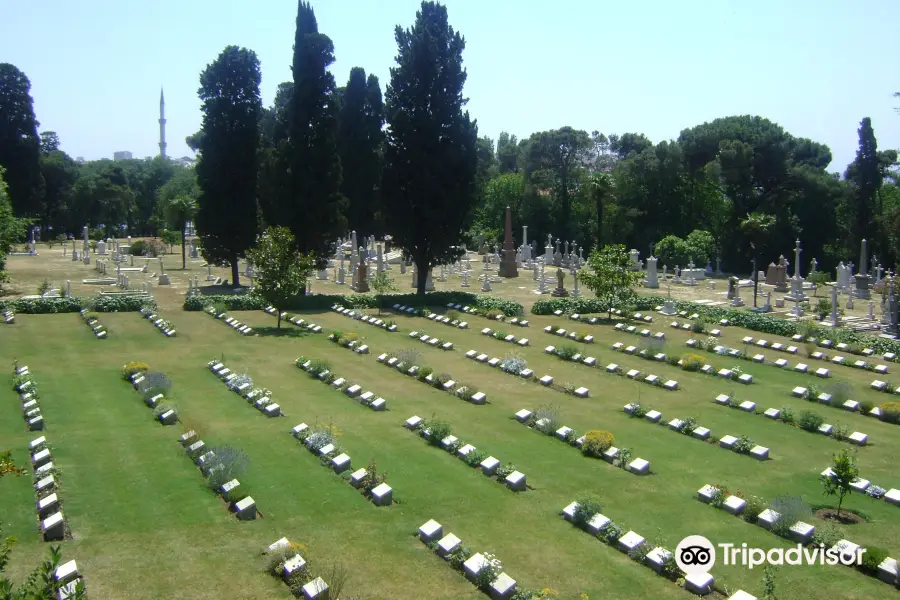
[{"x": 20, "y": 146}]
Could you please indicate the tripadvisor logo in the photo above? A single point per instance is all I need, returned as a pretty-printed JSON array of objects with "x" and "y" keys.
[{"x": 696, "y": 554}]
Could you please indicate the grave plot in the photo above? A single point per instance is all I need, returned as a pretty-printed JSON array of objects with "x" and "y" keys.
[
  {"x": 321, "y": 370},
  {"x": 451, "y": 319},
  {"x": 152, "y": 387},
  {"x": 29, "y": 396},
  {"x": 229, "y": 320},
  {"x": 638, "y": 316},
  {"x": 571, "y": 354},
  {"x": 639, "y": 331},
  {"x": 322, "y": 441},
  {"x": 439, "y": 434},
  {"x": 688, "y": 426},
  {"x": 287, "y": 561},
  {"x": 164, "y": 326},
  {"x": 483, "y": 570},
  {"x": 406, "y": 362},
  {"x": 502, "y": 336},
  {"x": 93, "y": 321},
  {"x": 493, "y": 314},
  {"x": 807, "y": 420},
  {"x": 386, "y": 324},
  {"x": 596, "y": 443},
  {"x": 735, "y": 373},
  {"x": 577, "y": 336},
  {"x": 515, "y": 365},
  {"x": 67, "y": 582},
  {"x": 51, "y": 522},
  {"x": 221, "y": 467},
  {"x": 260, "y": 398},
  {"x": 864, "y": 486},
  {"x": 304, "y": 324},
  {"x": 350, "y": 341},
  {"x": 434, "y": 342},
  {"x": 837, "y": 396},
  {"x": 586, "y": 515},
  {"x": 9, "y": 317}
]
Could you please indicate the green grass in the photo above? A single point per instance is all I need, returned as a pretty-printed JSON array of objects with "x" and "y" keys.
[{"x": 145, "y": 525}]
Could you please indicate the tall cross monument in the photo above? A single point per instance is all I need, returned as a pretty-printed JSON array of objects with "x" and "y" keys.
[{"x": 162, "y": 124}]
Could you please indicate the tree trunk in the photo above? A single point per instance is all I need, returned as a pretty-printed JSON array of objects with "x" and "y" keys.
[
  {"x": 279, "y": 318},
  {"x": 422, "y": 272},
  {"x": 183, "y": 251},
  {"x": 235, "y": 271}
]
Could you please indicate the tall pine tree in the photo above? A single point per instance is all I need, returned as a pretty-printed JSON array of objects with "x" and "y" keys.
[
  {"x": 430, "y": 155},
  {"x": 20, "y": 146},
  {"x": 865, "y": 175},
  {"x": 227, "y": 169},
  {"x": 359, "y": 139},
  {"x": 315, "y": 214}
]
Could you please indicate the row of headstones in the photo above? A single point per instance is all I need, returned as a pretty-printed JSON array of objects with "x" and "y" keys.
[
  {"x": 380, "y": 495},
  {"x": 449, "y": 386},
  {"x": 615, "y": 369},
  {"x": 434, "y": 342},
  {"x": 444, "y": 320},
  {"x": 28, "y": 396},
  {"x": 864, "y": 486},
  {"x": 354, "y": 345},
  {"x": 701, "y": 433},
  {"x": 168, "y": 417},
  {"x": 158, "y": 322},
  {"x": 595, "y": 320},
  {"x": 233, "y": 323},
  {"x": 515, "y": 480},
  {"x": 315, "y": 589},
  {"x": 358, "y": 316},
  {"x": 9, "y": 317},
  {"x": 572, "y": 335},
  {"x": 700, "y": 584},
  {"x": 244, "y": 507},
  {"x": 843, "y": 347},
  {"x": 295, "y": 320},
  {"x": 848, "y": 405},
  {"x": 53, "y": 523},
  {"x": 801, "y": 532},
  {"x": 858, "y": 438},
  {"x": 502, "y": 318},
  {"x": 837, "y": 359},
  {"x": 352, "y": 390},
  {"x": 255, "y": 396},
  {"x": 503, "y": 587},
  {"x": 659, "y": 335},
  {"x": 546, "y": 380},
  {"x": 638, "y": 466},
  {"x": 95, "y": 325},
  {"x": 508, "y": 338}
]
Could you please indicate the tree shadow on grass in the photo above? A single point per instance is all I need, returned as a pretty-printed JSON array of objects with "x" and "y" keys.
[{"x": 287, "y": 330}]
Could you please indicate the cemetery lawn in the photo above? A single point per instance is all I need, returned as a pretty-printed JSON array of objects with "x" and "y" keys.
[{"x": 144, "y": 526}]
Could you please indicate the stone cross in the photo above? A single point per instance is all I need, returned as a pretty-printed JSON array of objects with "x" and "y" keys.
[
  {"x": 834, "y": 305},
  {"x": 797, "y": 260}
]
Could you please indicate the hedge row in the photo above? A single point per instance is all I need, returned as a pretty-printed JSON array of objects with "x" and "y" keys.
[
  {"x": 43, "y": 306},
  {"x": 748, "y": 320},
  {"x": 326, "y": 301}
]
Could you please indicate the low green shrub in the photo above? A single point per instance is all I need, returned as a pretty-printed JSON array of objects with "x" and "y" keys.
[
  {"x": 810, "y": 421},
  {"x": 566, "y": 352},
  {"x": 438, "y": 430},
  {"x": 596, "y": 442},
  {"x": 890, "y": 412},
  {"x": 587, "y": 508}
]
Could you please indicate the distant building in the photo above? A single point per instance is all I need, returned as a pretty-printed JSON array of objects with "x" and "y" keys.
[
  {"x": 121, "y": 155},
  {"x": 79, "y": 159},
  {"x": 184, "y": 161}
]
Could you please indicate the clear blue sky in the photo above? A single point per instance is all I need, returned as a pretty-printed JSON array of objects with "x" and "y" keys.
[{"x": 656, "y": 67}]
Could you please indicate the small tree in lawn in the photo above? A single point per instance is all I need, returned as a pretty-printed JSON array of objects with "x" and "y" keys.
[
  {"x": 609, "y": 275},
  {"x": 845, "y": 472},
  {"x": 382, "y": 283},
  {"x": 281, "y": 270}
]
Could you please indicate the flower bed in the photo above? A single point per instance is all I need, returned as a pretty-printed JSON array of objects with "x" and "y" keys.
[
  {"x": 439, "y": 434},
  {"x": 92, "y": 321},
  {"x": 287, "y": 561},
  {"x": 164, "y": 326},
  {"x": 322, "y": 442},
  {"x": 260, "y": 398},
  {"x": 595, "y": 443},
  {"x": 321, "y": 370}
]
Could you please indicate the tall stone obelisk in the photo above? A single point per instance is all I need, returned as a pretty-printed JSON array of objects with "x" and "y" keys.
[
  {"x": 162, "y": 124},
  {"x": 508, "y": 262}
]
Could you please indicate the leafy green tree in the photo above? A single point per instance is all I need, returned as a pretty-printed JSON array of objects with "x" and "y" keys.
[
  {"x": 507, "y": 153},
  {"x": 281, "y": 271},
  {"x": 49, "y": 142},
  {"x": 179, "y": 210},
  {"x": 315, "y": 207},
  {"x": 383, "y": 284},
  {"x": 609, "y": 275},
  {"x": 431, "y": 153},
  {"x": 359, "y": 142},
  {"x": 20, "y": 146},
  {"x": 228, "y": 165},
  {"x": 60, "y": 173},
  {"x": 845, "y": 472},
  {"x": 866, "y": 176},
  {"x": 625, "y": 144},
  {"x": 194, "y": 141},
  {"x": 12, "y": 229},
  {"x": 600, "y": 187},
  {"x": 501, "y": 191}
]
